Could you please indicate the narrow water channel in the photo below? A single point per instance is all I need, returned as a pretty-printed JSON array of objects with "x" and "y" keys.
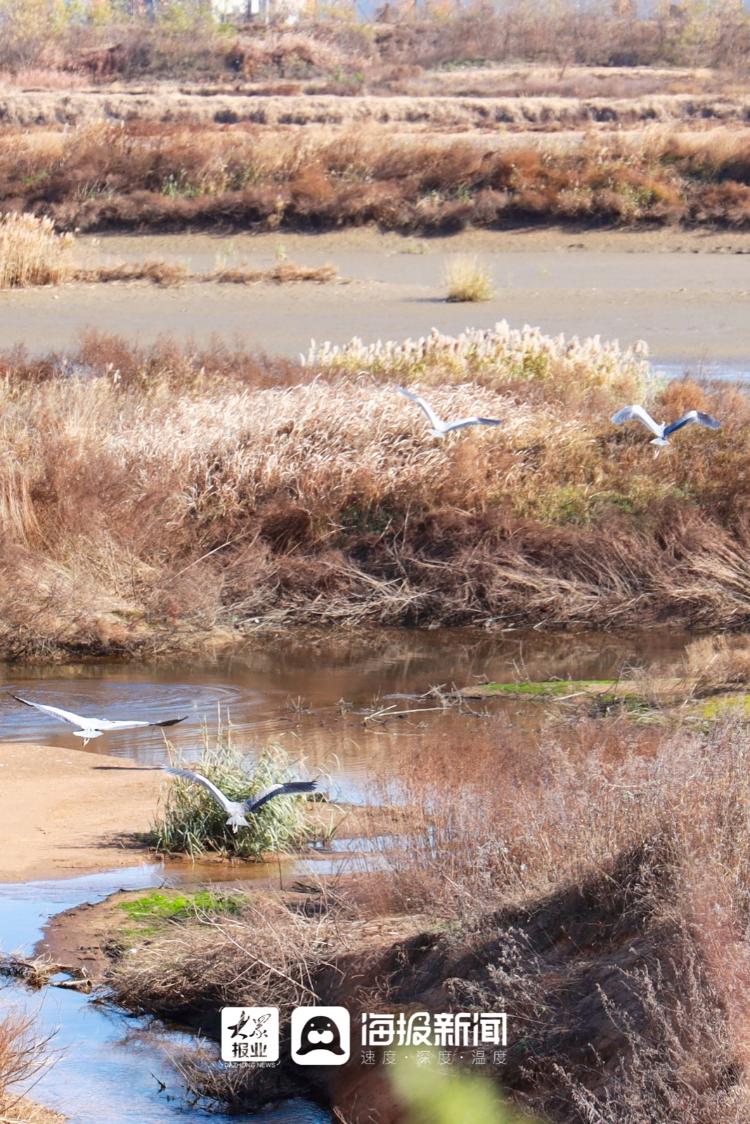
[{"x": 106, "y": 1065}]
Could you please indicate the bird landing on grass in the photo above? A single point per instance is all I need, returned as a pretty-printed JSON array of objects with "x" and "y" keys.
[
  {"x": 662, "y": 432},
  {"x": 438, "y": 427},
  {"x": 238, "y": 810}
]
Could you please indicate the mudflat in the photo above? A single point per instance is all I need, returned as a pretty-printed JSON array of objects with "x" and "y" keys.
[{"x": 684, "y": 292}]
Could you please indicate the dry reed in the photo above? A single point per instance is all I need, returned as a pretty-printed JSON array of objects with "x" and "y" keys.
[{"x": 150, "y": 497}]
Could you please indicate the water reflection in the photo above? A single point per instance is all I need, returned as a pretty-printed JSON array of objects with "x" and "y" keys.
[{"x": 292, "y": 693}]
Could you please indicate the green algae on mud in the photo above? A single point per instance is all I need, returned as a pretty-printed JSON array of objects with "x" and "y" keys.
[
  {"x": 665, "y": 698},
  {"x": 547, "y": 689},
  {"x": 159, "y": 906}
]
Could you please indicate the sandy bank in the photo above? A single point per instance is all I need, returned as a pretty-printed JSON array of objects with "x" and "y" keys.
[{"x": 66, "y": 811}]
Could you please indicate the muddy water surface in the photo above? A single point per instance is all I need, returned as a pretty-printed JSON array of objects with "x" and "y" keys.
[{"x": 295, "y": 694}]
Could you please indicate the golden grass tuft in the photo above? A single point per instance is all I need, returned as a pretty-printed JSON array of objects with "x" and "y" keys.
[
  {"x": 32, "y": 252},
  {"x": 468, "y": 281}
]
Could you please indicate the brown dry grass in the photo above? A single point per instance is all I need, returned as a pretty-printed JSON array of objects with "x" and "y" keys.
[
  {"x": 595, "y": 884},
  {"x": 170, "y": 273},
  {"x": 288, "y": 108},
  {"x": 171, "y": 176},
  {"x": 150, "y": 497},
  {"x": 32, "y": 252},
  {"x": 467, "y": 280}
]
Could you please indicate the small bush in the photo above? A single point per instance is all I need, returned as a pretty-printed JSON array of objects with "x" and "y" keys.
[
  {"x": 468, "y": 281},
  {"x": 193, "y": 823},
  {"x": 31, "y": 251}
]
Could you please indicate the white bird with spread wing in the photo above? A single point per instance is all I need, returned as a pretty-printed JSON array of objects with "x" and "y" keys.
[
  {"x": 94, "y": 727},
  {"x": 238, "y": 810},
  {"x": 439, "y": 428},
  {"x": 661, "y": 431}
]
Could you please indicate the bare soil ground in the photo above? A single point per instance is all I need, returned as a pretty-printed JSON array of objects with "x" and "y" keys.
[{"x": 66, "y": 812}]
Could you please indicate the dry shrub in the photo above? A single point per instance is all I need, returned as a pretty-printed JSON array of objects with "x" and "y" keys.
[
  {"x": 716, "y": 663},
  {"x": 23, "y": 1057},
  {"x": 264, "y": 957},
  {"x": 185, "y": 41},
  {"x": 31, "y": 252}
]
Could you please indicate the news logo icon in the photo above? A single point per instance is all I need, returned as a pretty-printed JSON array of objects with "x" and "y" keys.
[
  {"x": 320, "y": 1035},
  {"x": 250, "y": 1034}
]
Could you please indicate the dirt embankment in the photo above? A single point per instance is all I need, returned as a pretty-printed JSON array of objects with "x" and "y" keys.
[{"x": 34, "y": 109}]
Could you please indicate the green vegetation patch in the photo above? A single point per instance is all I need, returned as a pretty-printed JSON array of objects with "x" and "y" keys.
[
  {"x": 721, "y": 705},
  {"x": 191, "y": 822},
  {"x": 545, "y": 689},
  {"x": 175, "y": 906}
]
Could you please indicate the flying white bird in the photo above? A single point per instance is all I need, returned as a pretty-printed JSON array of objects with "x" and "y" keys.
[
  {"x": 239, "y": 809},
  {"x": 439, "y": 428},
  {"x": 663, "y": 432},
  {"x": 93, "y": 727}
]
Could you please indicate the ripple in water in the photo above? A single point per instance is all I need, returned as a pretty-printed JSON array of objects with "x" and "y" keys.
[{"x": 205, "y": 707}]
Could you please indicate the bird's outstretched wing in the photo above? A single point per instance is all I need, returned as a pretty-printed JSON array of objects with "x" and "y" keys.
[
  {"x": 472, "y": 421},
  {"x": 692, "y": 416},
  {"x": 631, "y": 413},
  {"x": 426, "y": 408},
  {"x": 132, "y": 724},
  {"x": 58, "y": 712},
  {"x": 189, "y": 775},
  {"x": 287, "y": 789}
]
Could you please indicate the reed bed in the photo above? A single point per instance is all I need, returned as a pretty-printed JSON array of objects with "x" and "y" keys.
[
  {"x": 150, "y": 498},
  {"x": 32, "y": 252},
  {"x": 172, "y": 176}
]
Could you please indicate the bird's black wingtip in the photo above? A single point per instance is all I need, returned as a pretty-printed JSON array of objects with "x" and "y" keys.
[
  {"x": 173, "y": 721},
  {"x": 19, "y": 699}
]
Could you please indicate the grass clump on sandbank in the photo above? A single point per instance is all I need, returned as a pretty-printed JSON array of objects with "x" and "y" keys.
[
  {"x": 468, "y": 281},
  {"x": 191, "y": 822}
]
